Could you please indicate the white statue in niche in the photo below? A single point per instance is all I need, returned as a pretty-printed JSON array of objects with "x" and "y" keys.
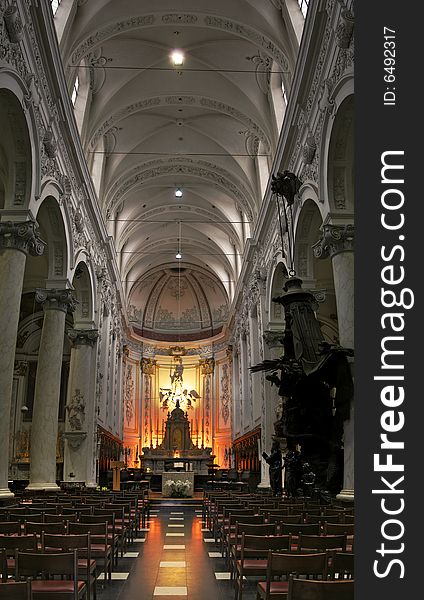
[{"x": 76, "y": 411}]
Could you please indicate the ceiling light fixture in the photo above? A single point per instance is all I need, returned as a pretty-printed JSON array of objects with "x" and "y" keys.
[
  {"x": 178, "y": 256},
  {"x": 178, "y": 192},
  {"x": 177, "y": 58}
]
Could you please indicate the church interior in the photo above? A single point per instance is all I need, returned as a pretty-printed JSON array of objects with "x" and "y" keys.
[{"x": 176, "y": 299}]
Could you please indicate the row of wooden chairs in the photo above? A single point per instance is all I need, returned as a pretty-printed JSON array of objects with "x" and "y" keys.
[
  {"x": 310, "y": 589},
  {"x": 250, "y": 556}
]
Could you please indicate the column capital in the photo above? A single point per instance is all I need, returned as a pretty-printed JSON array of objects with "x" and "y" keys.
[
  {"x": 56, "y": 299},
  {"x": 334, "y": 239},
  {"x": 83, "y": 337},
  {"x": 273, "y": 339},
  {"x": 21, "y": 236}
]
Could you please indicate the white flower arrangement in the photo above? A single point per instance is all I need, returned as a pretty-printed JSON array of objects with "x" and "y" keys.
[{"x": 177, "y": 489}]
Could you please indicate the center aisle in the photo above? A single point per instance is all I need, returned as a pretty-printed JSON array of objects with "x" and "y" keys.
[{"x": 174, "y": 561}]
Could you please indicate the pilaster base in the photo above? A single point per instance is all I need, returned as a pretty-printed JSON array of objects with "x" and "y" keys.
[
  {"x": 346, "y": 496},
  {"x": 48, "y": 487}
]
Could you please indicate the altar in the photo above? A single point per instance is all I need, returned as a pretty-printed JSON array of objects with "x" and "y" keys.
[
  {"x": 185, "y": 477},
  {"x": 177, "y": 451}
]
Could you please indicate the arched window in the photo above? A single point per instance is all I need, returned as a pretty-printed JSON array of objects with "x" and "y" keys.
[
  {"x": 55, "y": 5},
  {"x": 75, "y": 90},
  {"x": 303, "y": 5}
]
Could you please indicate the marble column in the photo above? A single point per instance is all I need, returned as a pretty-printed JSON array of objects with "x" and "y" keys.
[
  {"x": 80, "y": 423},
  {"x": 44, "y": 429},
  {"x": 337, "y": 243},
  {"x": 16, "y": 241}
]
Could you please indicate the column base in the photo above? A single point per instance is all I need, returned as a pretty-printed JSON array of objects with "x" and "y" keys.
[
  {"x": 48, "y": 487},
  {"x": 263, "y": 486},
  {"x": 5, "y": 493},
  {"x": 346, "y": 496}
]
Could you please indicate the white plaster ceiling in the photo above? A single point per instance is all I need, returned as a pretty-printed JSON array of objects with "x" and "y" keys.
[{"x": 197, "y": 127}]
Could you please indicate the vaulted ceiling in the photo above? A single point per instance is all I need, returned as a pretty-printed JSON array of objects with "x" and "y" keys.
[{"x": 153, "y": 127}]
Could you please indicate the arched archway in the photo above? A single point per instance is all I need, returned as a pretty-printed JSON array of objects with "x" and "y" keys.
[
  {"x": 316, "y": 274},
  {"x": 340, "y": 175},
  {"x": 15, "y": 154}
]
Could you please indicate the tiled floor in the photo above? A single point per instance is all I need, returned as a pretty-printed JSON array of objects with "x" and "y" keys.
[{"x": 167, "y": 566}]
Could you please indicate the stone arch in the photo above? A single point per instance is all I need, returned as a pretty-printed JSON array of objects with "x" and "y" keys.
[
  {"x": 277, "y": 280},
  {"x": 54, "y": 231},
  {"x": 16, "y": 149},
  {"x": 316, "y": 274},
  {"x": 84, "y": 294},
  {"x": 337, "y": 150}
]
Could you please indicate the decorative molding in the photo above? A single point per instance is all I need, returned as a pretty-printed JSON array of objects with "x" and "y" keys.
[
  {"x": 256, "y": 37},
  {"x": 76, "y": 411},
  {"x": 20, "y": 368},
  {"x": 148, "y": 366},
  {"x": 344, "y": 29},
  {"x": 83, "y": 337},
  {"x": 74, "y": 439},
  {"x": 54, "y": 299},
  {"x": 273, "y": 339},
  {"x": 13, "y": 23},
  {"x": 21, "y": 236},
  {"x": 334, "y": 239}
]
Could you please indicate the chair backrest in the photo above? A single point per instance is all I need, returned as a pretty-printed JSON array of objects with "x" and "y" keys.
[
  {"x": 343, "y": 565},
  {"x": 10, "y": 543},
  {"x": 297, "y": 528},
  {"x": 260, "y": 545},
  {"x": 256, "y": 529},
  {"x": 322, "y": 542},
  {"x": 16, "y": 590},
  {"x": 246, "y": 518},
  {"x": 337, "y": 528},
  {"x": 304, "y": 589},
  {"x": 97, "y": 529},
  {"x": 10, "y": 527},
  {"x": 56, "y": 527},
  {"x": 21, "y": 517},
  {"x": 67, "y": 542},
  {"x": 43, "y": 564},
  {"x": 301, "y": 564}
]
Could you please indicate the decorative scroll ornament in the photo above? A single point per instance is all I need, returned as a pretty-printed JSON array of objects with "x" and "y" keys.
[
  {"x": 21, "y": 236},
  {"x": 334, "y": 239},
  {"x": 74, "y": 438},
  {"x": 56, "y": 299},
  {"x": 83, "y": 337},
  {"x": 309, "y": 149},
  {"x": 13, "y": 23},
  {"x": 344, "y": 29},
  {"x": 50, "y": 144}
]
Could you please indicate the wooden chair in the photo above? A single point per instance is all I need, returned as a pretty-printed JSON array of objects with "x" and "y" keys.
[
  {"x": 228, "y": 529},
  {"x": 342, "y": 565},
  {"x": 41, "y": 566},
  {"x": 285, "y": 564},
  {"x": 8, "y": 546},
  {"x": 321, "y": 543},
  {"x": 114, "y": 536},
  {"x": 100, "y": 544},
  {"x": 234, "y": 542},
  {"x": 37, "y": 528},
  {"x": 254, "y": 556},
  {"x": 303, "y": 589},
  {"x": 10, "y": 527},
  {"x": 85, "y": 563},
  {"x": 16, "y": 590}
]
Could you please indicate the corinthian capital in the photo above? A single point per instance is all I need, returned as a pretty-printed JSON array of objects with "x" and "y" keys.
[
  {"x": 334, "y": 239},
  {"x": 56, "y": 299},
  {"x": 21, "y": 236},
  {"x": 83, "y": 337}
]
